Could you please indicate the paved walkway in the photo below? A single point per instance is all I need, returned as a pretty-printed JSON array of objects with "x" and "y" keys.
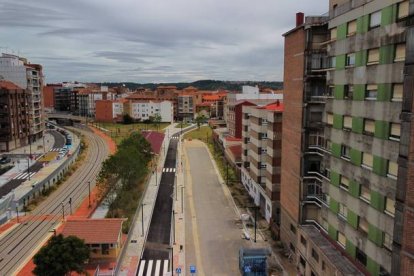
[{"x": 40, "y": 146}]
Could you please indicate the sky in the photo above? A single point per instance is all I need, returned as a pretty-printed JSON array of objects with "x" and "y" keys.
[{"x": 152, "y": 40}]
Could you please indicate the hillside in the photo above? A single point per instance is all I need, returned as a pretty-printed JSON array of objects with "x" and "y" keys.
[{"x": 201, "y": 84}]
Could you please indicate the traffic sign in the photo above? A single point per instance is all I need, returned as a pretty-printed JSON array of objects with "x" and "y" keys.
[
  {"x": 192, "y": 269},
  {"x": 178, "y": 270}
]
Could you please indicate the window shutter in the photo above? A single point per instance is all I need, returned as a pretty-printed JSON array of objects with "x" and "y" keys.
[
  {"x": 348, "y": 122},
  {"x": 352, "y": 26},
  {"x": 400, "y": 53},
  {"x": 372, "y": 87},
  {"x": 333, "y": 34},
  {"x": 329, "y": 119},
  {"x": 395, "y": 130},
  {"x": 392, "y": 168},
  {"x": 397, "y": 93},
  {"x": 403, "y": 9},
  {"x": 367, "y": 159},
  {"x": 369, "y": 126},
  {"x": 373, "y": 55}
]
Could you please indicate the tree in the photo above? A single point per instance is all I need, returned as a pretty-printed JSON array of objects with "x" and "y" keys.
[
  {"x": 157, "y": 120},
  {"x": 60, "y": 256},
  {"x": 200, "y": 119},
  {"x": 127, "y": 119}
]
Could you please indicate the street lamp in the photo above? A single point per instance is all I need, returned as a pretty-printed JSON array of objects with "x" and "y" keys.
[
  {"x": 17, "y": 212},
  {"x": 70, "y": 205},
  {"x": 172, "y": 259},
  {"x": 142, "y": 219},
  {"x": 89, "y": 195},
  {"x": 255, "y": 220},
  {"x": 63, "y": 210},
  {"x": 173, "y": 224}
]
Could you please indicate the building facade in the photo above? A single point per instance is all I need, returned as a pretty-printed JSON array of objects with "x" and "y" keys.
[
  {"x": 261, "y": 158},
  {"x": 14, "y": 117}
]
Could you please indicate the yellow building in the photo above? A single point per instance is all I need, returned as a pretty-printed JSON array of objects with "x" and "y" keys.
[{"x": 102, "y": 236}]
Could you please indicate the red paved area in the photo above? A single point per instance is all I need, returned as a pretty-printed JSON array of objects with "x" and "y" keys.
[
  {"x": 84, "y": 211},
  {"x": 155, "y": 139}
]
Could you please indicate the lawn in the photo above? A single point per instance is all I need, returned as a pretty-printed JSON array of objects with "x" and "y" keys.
[
  {"x": 120, "y": 131},
  {"x": 202, "y": 133}
]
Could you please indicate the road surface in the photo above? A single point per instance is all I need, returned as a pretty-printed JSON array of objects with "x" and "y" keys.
[{"x": 18, "y": 245}]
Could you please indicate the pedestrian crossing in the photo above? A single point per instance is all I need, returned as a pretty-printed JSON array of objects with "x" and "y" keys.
[
  {"x": 24, "y": 175},
  {"x": 55, "y": 149},
  {"x": 168, "y": 170},
  {"x": 153, "y": 267},
  {"x": 175, "y": 137}
]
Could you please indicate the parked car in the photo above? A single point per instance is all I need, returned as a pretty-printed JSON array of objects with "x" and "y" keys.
[{"x": 5, "y": 160}]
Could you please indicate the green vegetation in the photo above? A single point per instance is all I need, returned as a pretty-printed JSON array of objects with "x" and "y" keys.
[
  {"x": 182, "y": 125},
  {"x": 201, "y": 84},
  {"x": 61, "y": 256},
  {"x": 119, "y": 132},
  {"x": 123, "y": 175},
  {"x": 201, "y": 119},
  {"x": 203, "y": 133}
]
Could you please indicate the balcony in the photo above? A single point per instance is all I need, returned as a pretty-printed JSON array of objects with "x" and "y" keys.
[{"x": 312, "y": 191}]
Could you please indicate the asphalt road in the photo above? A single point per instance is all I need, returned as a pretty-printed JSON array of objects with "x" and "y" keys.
[
  {"x": 17, "y": 246},
  {"x": 213, "y": 237},
  {"x": 159, "y": 233},
  {"x": 19, "y": 179}
]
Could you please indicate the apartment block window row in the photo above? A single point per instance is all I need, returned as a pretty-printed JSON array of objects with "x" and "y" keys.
[{"x": 370, "y": 92}]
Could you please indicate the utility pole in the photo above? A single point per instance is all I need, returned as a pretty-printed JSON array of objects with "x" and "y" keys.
[
  {"x": 63, "y": 210},
  {"x": 17, "y": 212}
]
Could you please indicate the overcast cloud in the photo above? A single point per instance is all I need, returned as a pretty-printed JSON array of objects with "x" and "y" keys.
[{"x": 152, "y": 40}]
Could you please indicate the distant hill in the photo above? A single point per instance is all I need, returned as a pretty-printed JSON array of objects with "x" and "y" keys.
[{"x": 200, "y": 84}]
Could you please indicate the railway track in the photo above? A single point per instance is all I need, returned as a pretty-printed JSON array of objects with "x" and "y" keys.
[{"x": 18, "y": 245}]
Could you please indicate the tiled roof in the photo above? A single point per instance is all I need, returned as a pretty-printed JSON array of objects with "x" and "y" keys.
[
  {"x": 276, "y": 106},
  {"x": 8, "y": 85},
  {"x": 211, "y": 97},
  {"x": 155, "y": 139},
  {"x": 236, "y": 150},
  {"x": 94, "y": 231}
]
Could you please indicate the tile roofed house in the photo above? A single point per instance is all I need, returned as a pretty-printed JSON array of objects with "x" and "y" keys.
[
  {"x": 102, "y": 236},
  {"x": 8, "y": 85}
]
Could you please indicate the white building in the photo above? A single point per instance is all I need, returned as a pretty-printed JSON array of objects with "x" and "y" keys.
[{"x": 143, "y": 110}]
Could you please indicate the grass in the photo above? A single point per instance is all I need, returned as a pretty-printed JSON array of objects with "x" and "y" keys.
[
  {"x": 202, "y": 133},
  {"x": 183, "y": 125},
  {"x": 119, "y": 132}
]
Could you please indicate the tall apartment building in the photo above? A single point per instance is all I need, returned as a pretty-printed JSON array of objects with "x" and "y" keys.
[
  {"x": 261, "y": 158},
  {"x": 29, "y": 77},
  {"x": 303, "y": 171},
  {"x": 186, "y": 106},
  {"x": 364, "y": 201},
  {"x": 14, "y": 116}
]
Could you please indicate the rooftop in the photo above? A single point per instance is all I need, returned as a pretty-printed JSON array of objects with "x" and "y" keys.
[
  {"x": 8, "y": 85},
  {"x": 341, "y": 263},
  {"x": 94, "y": 231}
]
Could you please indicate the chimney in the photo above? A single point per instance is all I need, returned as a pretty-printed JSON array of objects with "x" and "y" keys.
[{"x": 299, "y": 18}]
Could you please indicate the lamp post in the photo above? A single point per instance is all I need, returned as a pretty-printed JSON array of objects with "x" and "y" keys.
[
  {"x": 17, "y": 213},
  {"x": 172, "y": 259},
  {"x": 173, "y": 224},
  {"x": 70, "y": 205},
  {"x": 142, "y": 219},
  {"x": 63, "y": 210},
  {"x": 89, "y": 195}
]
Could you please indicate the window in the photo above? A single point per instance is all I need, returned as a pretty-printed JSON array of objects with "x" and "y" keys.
[
  {"x": 343, "y": 211},
  {"x": 332, "y": 62},
  {"x": 373, "y": 56},
  {"x": 352, "y": 26},
  {"x": 389, "y": 206},
  {"x": 369, "y": 126},
  {"x": 395, "y": 131},
  {"x": 344, "y": 182},
  {"x": 397, "y": 92},
  {"x": 363, "y": 224},
  {"x": 371, "y": 92},
  {"x": 263, "y": 150},
  {"x": 367, "y": 160},
  {"x": 333, "y": 34},
  {"x": 345, "y": 152},
  {"x": 329, "y": 119},
  {"x": 341, "y": 239},
  {"x": 361, "y": 256},
  {"x": 303, "y": 240},
  {"x": 387, "y": 243},
  {"x": 325, "y": 224},
  {"x": 347, "y": 122},
  {"x": 375, "y": 19},
  {"x": 399, "y": 52},
  {"x": 262, "y": 166},
  {"x": 349, "y": 92},
  {"x": 315, "y": 255},
  {"x": 392, "y": 169},
  {"x": 365, "y": 193},
  {"x": 350, "y": 59},
  {"x": 402, "y": 9}
]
